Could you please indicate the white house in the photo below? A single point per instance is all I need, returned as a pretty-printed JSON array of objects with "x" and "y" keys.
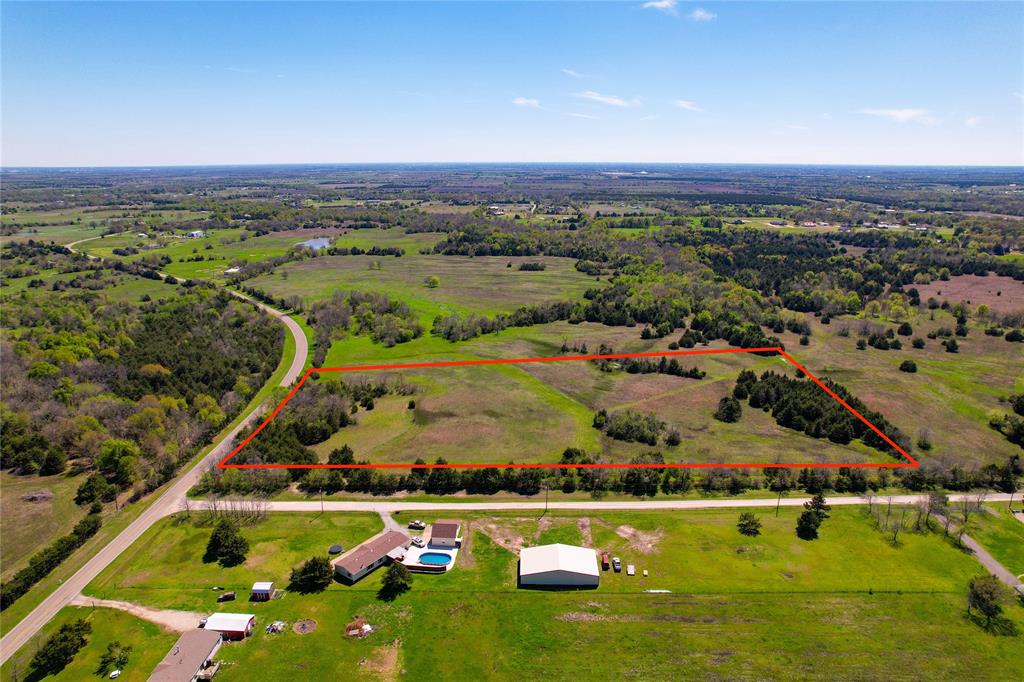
[
  {"x": 388, "y": 545},
  {"x": 558, "y": 565},
  {"x": 231, "y": 625},
  {"x": 195, "y": 234},
  {"x": 190, "y": 659},
  {"x": 445, "y": 533}
]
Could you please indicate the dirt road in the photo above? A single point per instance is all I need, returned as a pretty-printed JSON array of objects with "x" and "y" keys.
[{"x": 179, "y": 621}]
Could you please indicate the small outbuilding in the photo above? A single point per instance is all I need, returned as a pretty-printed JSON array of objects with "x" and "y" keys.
[
  {"x": 262, "y": 591},
  {"x": 445, "y": 533},
  {"x": 558, "y": 565},
  {"x": 231, "y": 625}
]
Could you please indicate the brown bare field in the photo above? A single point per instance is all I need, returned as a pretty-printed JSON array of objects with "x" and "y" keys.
[{"x": 1001, "y": 294}]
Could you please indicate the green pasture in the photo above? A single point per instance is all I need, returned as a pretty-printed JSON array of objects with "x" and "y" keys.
[{"x": 849, "y": 604}]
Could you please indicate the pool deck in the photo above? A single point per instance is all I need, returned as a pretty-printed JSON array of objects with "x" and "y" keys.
[{"x": 412, "y": 558}]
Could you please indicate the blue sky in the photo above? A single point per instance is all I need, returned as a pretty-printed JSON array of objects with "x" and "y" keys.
[{"x": 805, "y": 82}]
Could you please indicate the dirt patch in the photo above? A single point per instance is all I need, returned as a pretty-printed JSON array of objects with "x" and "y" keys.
[
  {"x": 465, "y": 558},
  {"x": 543, "y": 524},
  {"x": 38, "y": 496},
  {"x": 304, "y": 627},
  {"x": 587, "y": 617},
  {"x": 583, "y": 523},
  {"x": 641, "y": 541},
  {"x": 1001, "y": 294},
  {"x": 382, "y": 663},
  {"x": 503, "y": 537}
]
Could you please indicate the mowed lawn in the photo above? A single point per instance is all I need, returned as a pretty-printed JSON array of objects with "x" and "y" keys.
[
  {"x": 1001, "y": 534},
  {"x": 166, "y": 569},
  {"x": 847, "y": 606},
  {"x": 149, "y": 644}
]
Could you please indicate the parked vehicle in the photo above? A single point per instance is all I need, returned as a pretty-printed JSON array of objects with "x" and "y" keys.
[
  {"x": 630, "y": 569},
  {"x": 418, "y": 542},
  {"x": 617, "y": 564},
  {"x": 417, "y": 525},
  {"x": 605, "y": 561},
  {"x": 227, "y": 596}
]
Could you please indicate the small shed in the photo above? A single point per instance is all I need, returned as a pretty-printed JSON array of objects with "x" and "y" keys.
[
  {"x": 445, "y": 533},
  {"x": 262, "y": 591}
]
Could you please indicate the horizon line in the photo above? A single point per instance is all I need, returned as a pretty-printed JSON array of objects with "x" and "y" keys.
[{"x": 271, "y": 164}]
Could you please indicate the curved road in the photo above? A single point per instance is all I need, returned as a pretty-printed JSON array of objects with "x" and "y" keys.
[{"x": 167, "y": 503}]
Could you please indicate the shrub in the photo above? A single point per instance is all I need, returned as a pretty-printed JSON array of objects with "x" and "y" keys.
[
  {"x": 908, "y": 366},
  {"x": 729, "y": 410},
  {"x": 749, "y": 524}
]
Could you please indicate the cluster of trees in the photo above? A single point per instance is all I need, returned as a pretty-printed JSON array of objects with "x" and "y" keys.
[
  {"x": 532, "y": 267},
  {"x": 384, "y": 320},
  {"x": 802, "y": 405},
  {"x": 60, "y": 648},
  {"x": 125, "y": 391},
  {"x": 630, "y": 426},
  {"x": 47, "y": 559},
  {"x": 395, "y": 251},
  {"x": 455, "y": 327},
  {"x": 932, "y": 475},
  {"x": 1011, "y": 425},
  {"x": 664, "y": 365}
]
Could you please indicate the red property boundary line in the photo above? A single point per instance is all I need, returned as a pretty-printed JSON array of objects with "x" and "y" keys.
[{"x": 910, "y": 462}]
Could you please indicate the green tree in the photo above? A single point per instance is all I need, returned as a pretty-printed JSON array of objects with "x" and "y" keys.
[
  {"x": 807, "y": 526},
  {"x": 60, "y": 648},
  {"x": 729, "y": 410},
  {"x": 116, "y": 461},
  {"x": 342, "y": 455},
  {"x": 114, "y": 658},
  {"x": 432, "y": 282},
  {"x": 749, "y": 524},
  {"x": 986, "y": 594},
  {"x": 313, "y": 576},
  {"x": 397, "y": 580},
  {"x": 227, "y": 546}
]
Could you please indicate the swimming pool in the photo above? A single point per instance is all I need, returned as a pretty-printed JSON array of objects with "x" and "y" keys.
[{"x": 434, "y": 559}]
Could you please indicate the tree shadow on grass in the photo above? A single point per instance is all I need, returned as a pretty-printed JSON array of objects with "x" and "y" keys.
[
  {"x": 1001, "y": 626},
  {"x": 386, "y": 593}
]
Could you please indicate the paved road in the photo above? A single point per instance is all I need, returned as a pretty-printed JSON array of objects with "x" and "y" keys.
[
  {"x": 169, "y": 501},
  {"x": 729, "y": 503},
  {"x": 981, "y": 554}
]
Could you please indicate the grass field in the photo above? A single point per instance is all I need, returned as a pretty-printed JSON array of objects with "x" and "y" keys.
[
  {"x": 29, "y": 526},
  {"x": 849, "y": 604},
  {"x": 149, "y": 644},
  {"x": 468, "y": 285},
  {"x": 1001, "y": 534}
]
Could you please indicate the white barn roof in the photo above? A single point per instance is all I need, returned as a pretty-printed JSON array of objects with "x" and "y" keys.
[
  {"x": 558, "y": 557},
  {"x": 229, "y": 622}
]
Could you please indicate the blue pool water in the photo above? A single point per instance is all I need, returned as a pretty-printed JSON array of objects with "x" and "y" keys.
[{"x": 434, "y": 559}]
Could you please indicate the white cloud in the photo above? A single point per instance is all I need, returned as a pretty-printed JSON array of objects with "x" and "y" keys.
[
  {"x": 587, "y": 116},
  {"x": 529, "y": 102},
  {"x": 668, "y": 6},
  {"x": 901, "y": 115},
  {"x": 701, "y": 14},
  {"x": 794, "y": 126},
  {"x": 575, "y": 74},
  {"x": 686, "y": 104},
  {"x": 972, "y": 121},
  {"x": 608, "y": 99}
]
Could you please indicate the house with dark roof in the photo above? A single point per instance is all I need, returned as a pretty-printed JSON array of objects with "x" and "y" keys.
[
  {"x": 190, "y": 659},
  {"x": 388, "y": 545}
]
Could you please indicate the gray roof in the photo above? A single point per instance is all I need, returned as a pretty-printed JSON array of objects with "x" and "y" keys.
[{"x": 186, "y": 657}]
